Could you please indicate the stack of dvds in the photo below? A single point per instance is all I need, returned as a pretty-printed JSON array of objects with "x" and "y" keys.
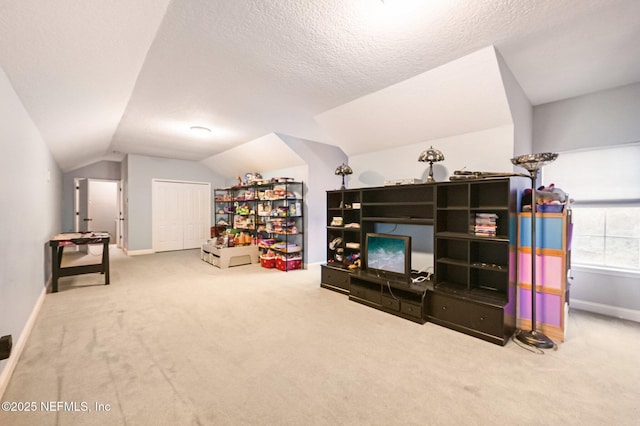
[{"x": 485, "y": 224}]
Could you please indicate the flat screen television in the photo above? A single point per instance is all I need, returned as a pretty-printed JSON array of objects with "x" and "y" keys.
[{"x": 388, "y": 255}]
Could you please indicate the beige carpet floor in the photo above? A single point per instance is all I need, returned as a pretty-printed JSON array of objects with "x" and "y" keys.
[{"x": 176, "y": 341}]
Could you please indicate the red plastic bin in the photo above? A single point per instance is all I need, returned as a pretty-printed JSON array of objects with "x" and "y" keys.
[
  {"x": 288, "y": 264},
  {"x": 268, "y": 262}
]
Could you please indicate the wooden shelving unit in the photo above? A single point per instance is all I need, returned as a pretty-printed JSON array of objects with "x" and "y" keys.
[
  {"x": 474, "y": 287},
  {"x": 343, "y": 208},
  {"x": 475, "y": 274},
  {"x": 410, "y": 204}
]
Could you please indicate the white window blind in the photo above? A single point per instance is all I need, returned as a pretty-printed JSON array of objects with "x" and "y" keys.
[
  {"x": 605, "y": 184},
  {"x": 597, "y": 175}
]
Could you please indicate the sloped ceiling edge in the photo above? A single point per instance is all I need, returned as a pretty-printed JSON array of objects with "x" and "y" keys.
[
  {"x": 460, "y": 97},
  {"x": 266, "y": 153}
]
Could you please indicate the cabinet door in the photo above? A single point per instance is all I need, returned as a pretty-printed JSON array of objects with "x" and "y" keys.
[
  {"x": 447, "y": 309},
  {"x": 335, "y": 278},
  {"x": 411, "y": 309},
  {"x": 484, "y": 319}
]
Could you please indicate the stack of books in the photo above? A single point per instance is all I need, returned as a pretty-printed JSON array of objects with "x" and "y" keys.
[{"x": 485, "y": 224}]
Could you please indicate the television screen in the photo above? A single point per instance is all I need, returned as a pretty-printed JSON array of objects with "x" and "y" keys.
[{"x": 388, "y": 254}]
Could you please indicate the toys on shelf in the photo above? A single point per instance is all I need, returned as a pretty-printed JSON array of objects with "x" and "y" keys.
[
  {"x": 267, "y": 213},
  {"x": 549, "y": 199},
  {"x": 232, "y": 238}
]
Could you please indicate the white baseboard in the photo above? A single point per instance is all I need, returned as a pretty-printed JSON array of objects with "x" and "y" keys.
[
  {"x": 612, "y": 311},
  {"x": 138, "y": 252},
  {"x": 16, "y": 351}
]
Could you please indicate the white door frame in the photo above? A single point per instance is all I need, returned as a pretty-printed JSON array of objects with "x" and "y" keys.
[
  {"x": 154, "y": 212},
  {"x": 120, "y": 224},
  {"x": 119, "y": 206}
]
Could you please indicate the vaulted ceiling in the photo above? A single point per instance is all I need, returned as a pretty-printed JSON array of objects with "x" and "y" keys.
[{"x": 104, "y": 78}]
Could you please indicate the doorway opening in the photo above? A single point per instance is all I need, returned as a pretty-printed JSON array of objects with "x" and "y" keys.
[{"x": 97, "y": 207}]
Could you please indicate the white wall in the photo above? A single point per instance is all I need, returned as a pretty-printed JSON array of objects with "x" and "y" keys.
[
  {"x": 601, "y": 119},
  {"x": 300, "y": 174},
  {"x": 322, "y": 161},
  {"x": 606, "y": 292},
  {"x": 608, "y": 117},
  {"x": 140, "y": 172},
  {"x": 312, "y": 162},
  {"x": 486, "y": 150},
  {"x": 30, "y": 190},
  {"x": 109, "y": 170},
  {"x": 520, "y": 109},
  {"x": 124, "y": 182}
]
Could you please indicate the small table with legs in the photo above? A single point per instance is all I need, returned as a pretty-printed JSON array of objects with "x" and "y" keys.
[{"x": 60, "y": 241}]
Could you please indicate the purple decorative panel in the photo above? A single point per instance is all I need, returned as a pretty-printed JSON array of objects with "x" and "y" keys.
[
  {"x": 549, "y": 270},
  {"x": 548, "y": 307}
]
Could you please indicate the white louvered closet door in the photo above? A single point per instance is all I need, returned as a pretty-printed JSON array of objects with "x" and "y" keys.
[
  {"x": 196, "y": 215},
  {"x": 181, "y": 215}
]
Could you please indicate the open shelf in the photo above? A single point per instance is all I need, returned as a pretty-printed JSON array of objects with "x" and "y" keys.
[
  {"x": 475, "y": 232},
  {"x": 474, "y": 261},
  {"x": 401, "y": 220},
  {"x": 470, "y": 236}
]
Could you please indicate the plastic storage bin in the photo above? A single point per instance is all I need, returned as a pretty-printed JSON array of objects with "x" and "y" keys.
[
  {"x": 288, "y": 264},
  {"x": 267, "y": 262}
]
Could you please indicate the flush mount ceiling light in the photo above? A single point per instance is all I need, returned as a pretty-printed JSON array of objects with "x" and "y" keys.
[
  {"x": 200, "y": 130},
  {"x": 397, "y": 19}
]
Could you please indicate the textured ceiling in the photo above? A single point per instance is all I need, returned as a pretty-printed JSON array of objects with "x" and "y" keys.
[
  {"x": 74, "y": 64},
  {"x": 98, "y": 77}
]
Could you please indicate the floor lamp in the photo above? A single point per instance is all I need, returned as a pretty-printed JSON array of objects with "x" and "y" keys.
[{"x": 533, "y": 163}]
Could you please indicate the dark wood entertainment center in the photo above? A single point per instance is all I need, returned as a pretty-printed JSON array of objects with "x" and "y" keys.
[
  {"x": 473, "y": 289},
  {"x": 398, "y": 298}
]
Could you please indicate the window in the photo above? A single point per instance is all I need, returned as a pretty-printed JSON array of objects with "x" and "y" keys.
[
  {"x": 605, "y": 184},
  {"x": 606, "y": 237}
]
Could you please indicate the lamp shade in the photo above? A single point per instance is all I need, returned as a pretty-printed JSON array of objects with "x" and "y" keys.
[
  {"x": 431, "y": 155},
  {"x": 533, "y": 162},
  {"x": 343, "y": 170}
]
